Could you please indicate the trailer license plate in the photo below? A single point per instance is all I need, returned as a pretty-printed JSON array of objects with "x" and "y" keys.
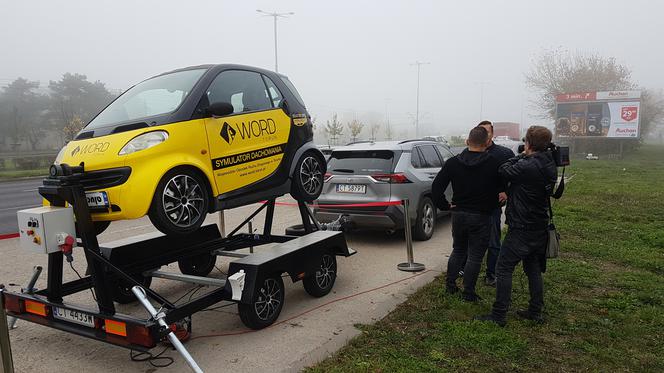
[
  {"x": 351, "y": 188},
  {"x": 97, "y": 199},
  {"x": 76, "y": 317}
]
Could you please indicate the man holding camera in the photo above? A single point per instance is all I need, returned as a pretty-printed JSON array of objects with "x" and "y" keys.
[
  {"x": 502, "y": 154},
  {"x": 475, "y": 186},
  {"x": 531, "y": 176}
]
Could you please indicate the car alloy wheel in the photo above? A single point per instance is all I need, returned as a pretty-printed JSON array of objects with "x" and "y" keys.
[
  {"x": 427, "y": 219},
  {"x": 325, "y": 275},
  {"x": 269, "y": 300},
  {"x": 183, "y": 201},
  {"x": 311, "y": 176}
]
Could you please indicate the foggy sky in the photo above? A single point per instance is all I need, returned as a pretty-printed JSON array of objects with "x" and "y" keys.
[{"x": 349, "y": 57}]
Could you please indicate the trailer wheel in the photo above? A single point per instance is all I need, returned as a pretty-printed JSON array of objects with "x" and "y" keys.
[
  {"x": 266, "y": 306},
  {"x": 121, "y": 289},
  {"x": 199, "y": 265},
  {"x": 321, "y": 282}
]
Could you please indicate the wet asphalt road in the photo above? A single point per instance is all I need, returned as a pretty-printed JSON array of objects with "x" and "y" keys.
[{"x": 17, "y": 195}]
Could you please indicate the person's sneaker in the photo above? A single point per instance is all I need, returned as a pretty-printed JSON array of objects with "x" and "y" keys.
[
  {"x": 490, "y": 281},
  {"x": 525, "y": 314},
  {"x": 491, "y": 318},
  {"x": 471, "y": 298},
  {"x": 460, "y": 273}
]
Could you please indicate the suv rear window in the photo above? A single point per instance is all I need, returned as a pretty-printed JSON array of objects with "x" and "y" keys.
[{"x": 361, "y": 162}]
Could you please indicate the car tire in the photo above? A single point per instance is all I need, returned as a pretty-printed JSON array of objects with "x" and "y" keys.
[
  {"x": 425, "y": 223},
  {"x": 199, "y": 265},
  {"x": 320, "y": 283},
  {"x": 121, "y": 289},
  {"x": 180, "y": 202},
  {"x": 266, "y": 305},
  {"x": 308, "y": 177}
]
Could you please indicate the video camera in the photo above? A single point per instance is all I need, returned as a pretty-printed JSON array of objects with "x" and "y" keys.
[{"x": 560, "y": 153}]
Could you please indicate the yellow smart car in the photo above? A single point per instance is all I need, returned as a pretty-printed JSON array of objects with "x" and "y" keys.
[{"x": 195, "y": 140}]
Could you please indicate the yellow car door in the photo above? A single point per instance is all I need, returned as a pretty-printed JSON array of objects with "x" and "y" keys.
[{"x": 247, "y": 145}]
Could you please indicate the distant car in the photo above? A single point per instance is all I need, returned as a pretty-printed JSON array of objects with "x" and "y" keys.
[
  {"x": 379, "y": 172},
  {"x": 195, "y": 140},
  {"x": 591, "y": 157}
]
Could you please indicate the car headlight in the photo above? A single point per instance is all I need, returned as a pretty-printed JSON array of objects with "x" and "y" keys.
[{"x": 144, "y": 141}]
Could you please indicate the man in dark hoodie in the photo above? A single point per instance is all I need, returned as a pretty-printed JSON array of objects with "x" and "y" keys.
[
  {"x": 475, "y": 186},
  {"x": 502, "y": 154},
  {"x": 531, "y": 176}
]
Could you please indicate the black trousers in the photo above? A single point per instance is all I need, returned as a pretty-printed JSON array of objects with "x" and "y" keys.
[
  {"x": 470, "y": 239},
  {"x": 529, "y": 247}
]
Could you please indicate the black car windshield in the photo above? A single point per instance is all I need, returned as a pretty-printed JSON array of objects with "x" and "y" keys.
[
  {"x": 360, "y": 162},
  {"x": 159, "y": 95}
]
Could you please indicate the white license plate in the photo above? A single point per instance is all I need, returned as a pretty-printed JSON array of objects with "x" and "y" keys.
[
  {"x": 97, "y": 199},
  {"x": 76, "y": 317},
  {"x": 351, "y": 188}
]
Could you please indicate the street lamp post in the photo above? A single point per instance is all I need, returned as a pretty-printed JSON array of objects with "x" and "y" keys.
[
  {"x": 417, "y": 108},
  {"x": 275, "y": 15}
]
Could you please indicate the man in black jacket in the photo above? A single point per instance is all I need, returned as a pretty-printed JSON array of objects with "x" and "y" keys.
[
  {"x": 502, "y": 154},
  {"x": 531, "y": 176},
  {"x": 475, "y": 186}
]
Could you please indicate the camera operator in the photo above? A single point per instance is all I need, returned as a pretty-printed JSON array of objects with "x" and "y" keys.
[{"x": 531, "y": 176}]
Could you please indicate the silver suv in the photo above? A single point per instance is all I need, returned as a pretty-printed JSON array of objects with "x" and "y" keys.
[{"x": 380, "y": 172}]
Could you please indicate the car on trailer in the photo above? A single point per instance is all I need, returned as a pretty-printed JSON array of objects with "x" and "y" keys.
[
  {"x": 383, "y": 171},
  {"x": 191, "y": 141}
]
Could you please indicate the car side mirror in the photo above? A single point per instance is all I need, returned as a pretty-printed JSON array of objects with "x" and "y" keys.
[{"x": 220, "y": 109}]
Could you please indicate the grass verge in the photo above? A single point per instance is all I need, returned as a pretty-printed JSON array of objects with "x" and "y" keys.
[
  {"x": 13, "y": 174},
  {"x": 604, "y": 296}
]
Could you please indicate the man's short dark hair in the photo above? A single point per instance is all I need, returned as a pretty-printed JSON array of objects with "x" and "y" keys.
[
  {"x": 485, "y": 123},
  {"x": 478, "y": 136},
  {"x": 538, "y": 137}
]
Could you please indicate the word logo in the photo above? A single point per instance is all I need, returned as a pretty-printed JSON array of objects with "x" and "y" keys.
[
  {"x": 227, "y": 133},
  {"x": 99, "y": 147},
  {"x": 248, "y": 130}
]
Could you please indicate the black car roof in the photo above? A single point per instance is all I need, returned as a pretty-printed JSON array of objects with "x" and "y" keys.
[{"x": 224, "y": 66}]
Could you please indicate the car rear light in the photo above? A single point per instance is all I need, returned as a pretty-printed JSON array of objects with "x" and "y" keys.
[
  {"x": 139, "y": 335},
  {"x": 35, "y": 308},
  {"x": 13, "y": 303},
  {"x": 391, "y": 178},
  {"x": 115, "y": 327},
  {"x": 327, "y": 177}
]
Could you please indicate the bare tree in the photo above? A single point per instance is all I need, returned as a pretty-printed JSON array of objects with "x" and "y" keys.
[
  {"x": 389, "y": 132},
  {"x": 373, "y": 129},
  {"x": 333, "y": 130},
  {"x": 559, "y": 71},
  {"x": 355, "y": 127}
]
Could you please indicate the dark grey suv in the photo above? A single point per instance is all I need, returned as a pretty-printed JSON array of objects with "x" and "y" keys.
[{"x": 380, "y": 172}]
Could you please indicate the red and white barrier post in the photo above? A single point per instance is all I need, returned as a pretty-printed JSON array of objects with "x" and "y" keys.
[{"x": 410, "y": 265}]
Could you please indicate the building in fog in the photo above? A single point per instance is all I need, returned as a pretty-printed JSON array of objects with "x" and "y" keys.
[{"x": 507, "y": 129}]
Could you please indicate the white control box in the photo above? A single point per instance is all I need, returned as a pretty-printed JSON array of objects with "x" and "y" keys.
[{"x": 41, "y": 228}]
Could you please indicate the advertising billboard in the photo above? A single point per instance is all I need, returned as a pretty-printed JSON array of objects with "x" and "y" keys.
[{"x": 610, "y": 114}]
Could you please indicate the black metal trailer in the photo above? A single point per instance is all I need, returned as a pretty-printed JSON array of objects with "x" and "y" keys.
[{"x": 254, "y": 279}]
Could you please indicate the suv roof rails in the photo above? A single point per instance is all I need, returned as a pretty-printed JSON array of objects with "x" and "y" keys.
[
  {"x": 360, "y": 142},
  {"x": 412, "y": 140}
]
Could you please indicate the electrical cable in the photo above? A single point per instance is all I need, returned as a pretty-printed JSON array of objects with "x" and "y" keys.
[
  {"x": 152, "y": 359},
  {"x": 71, "y": 264},
  {"x": 239, "y": 332}
]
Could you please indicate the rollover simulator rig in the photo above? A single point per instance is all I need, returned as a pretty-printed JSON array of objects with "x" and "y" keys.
[{"x": 124, "y": 272}]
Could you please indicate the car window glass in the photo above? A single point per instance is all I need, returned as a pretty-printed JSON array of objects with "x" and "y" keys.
[
  {"x": 444, "y": 152},
  {"x": 415, "y": 158},
  {"x": 159, "y": 95},
  {"x": 275, "y": 95},
  {"x": 430, "y": 157},
  {"x": 245, "y": 90},
  {"x": 360, "y": 162}
]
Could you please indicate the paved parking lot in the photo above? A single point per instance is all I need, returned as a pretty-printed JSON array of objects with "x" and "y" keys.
[{"x": 308, "y": 329}]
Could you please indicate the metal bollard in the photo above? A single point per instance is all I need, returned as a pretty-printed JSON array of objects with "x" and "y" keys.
[
  {"x": 5, "y": 346},
  {"x": 409, "y": 266},
  {"x": 159, "y": 317},
  {"x": 29, "y": 289},
  {"x": 222, "y": 224}
]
